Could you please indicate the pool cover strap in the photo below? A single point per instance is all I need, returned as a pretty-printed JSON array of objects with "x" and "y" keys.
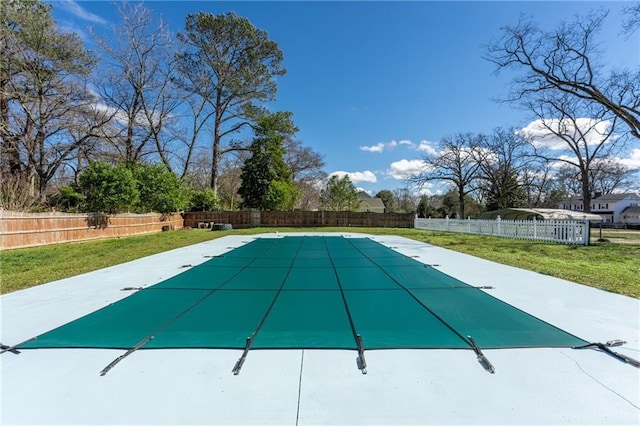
[
  {"x": 605, "y": 348},
  {"x": 361, "y": 362},
  {"x": 126, "y": 354},
  {"x": 11, "y": 349},
  {"x": 238, "y": 366},
  {"x": 243, "y": 357},
  {"x": 484, "y": 362}
]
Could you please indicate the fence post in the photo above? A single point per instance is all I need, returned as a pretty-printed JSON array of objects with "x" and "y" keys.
[
  {"x": 586, "y": 234},
  {"x": 498, "y": 219},
  {"x": 535, "y": 228},
  {"x": 469, "y": 224},
  {"x": 447, "y": 222}
]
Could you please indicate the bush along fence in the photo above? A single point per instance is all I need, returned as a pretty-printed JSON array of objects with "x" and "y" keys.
[
  {"x": 559, "y": 231},
  {"x": 18, "y": 229},
  {"x": 255, "y": 218}
]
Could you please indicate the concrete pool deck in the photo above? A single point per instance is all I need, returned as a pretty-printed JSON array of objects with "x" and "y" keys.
[{"x": 286, "y": 387}]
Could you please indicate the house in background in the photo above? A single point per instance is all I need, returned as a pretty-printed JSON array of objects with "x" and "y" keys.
[
  {"x": 370, "y": 204},
  {"x": 631, "y": 215},
  {"x": 613, "y": 208}
]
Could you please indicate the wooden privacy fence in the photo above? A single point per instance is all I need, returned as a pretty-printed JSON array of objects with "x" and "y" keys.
[
  {"x": 247, "y": 219},
  {"x": 18, "y": 229},
  {"x": 559, "y": 231}
]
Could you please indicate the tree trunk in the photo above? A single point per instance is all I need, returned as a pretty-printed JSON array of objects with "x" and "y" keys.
[
  {"x": 215, "y": 160},
  {"x": 461, "y": 203},
  {"x": 586, "y": 191}
]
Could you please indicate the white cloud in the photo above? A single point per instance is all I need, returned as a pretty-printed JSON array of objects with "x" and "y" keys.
[
  {"x": 633, "y": 161},
  {"x": 74, "y": 8},
  {"x": 404, "y": 169},
  {"x": 593, "y": 132},
  {"x": 385, "y": 146},
  {"x": 426, "y": 147},
  {"x": 356, "y": 177},
  {"x": 379, "y": 147}
]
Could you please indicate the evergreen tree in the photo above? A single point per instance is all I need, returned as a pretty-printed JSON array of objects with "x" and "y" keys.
[
  {"x": 340, "y": 194},
  {"x": 388, "y": 199},
  {"x": 505, "y": 191},
  {"x": 266, "y": 178}
]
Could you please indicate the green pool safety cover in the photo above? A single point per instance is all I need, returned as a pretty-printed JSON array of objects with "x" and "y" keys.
[{"x": 308, "y": 292}]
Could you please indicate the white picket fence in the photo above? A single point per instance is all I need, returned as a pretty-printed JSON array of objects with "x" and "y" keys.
[{"x": 559, "y": 231}]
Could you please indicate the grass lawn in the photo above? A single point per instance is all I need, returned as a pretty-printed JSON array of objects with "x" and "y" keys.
[{"x": 608, "y": 266}]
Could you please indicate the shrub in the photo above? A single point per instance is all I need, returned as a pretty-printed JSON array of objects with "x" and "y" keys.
[
  {"x": 67, "y": 199},
  {"x": 108, "y": 189},
  {"x": 204, "y": 200},
  {"x": 160, "y": 190}
]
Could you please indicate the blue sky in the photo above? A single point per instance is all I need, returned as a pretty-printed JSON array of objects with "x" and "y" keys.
[{"x": 372, "y": 85}]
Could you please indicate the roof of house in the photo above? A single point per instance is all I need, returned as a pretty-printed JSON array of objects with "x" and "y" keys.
[
  {"x": 574, "y": 199},
  {"x": 617, "y": 197},
  {"x": 631, "y": 209},
  {"x": 603, "y": 197},
  {"x": 375, "y": 203}
]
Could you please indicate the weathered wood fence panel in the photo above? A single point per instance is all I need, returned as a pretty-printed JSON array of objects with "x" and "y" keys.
[
  {"x": 239, "y": 219},
  {"x": 246, "y": 219},
  {"x": 18, "y": 229}
]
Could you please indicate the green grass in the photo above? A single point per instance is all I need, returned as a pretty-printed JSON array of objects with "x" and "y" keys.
[{"x": 608, "y": 266}]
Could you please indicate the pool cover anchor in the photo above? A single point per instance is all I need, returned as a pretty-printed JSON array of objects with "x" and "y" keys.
[
  {"x": 126, "y": 354},
  {"x": 14, "y": 349},
  {"x": 484, "y": 362},
  {"x": 604, "y": 347},
  {"x": 7, "y": 348},
  {"x": 360, "y": 361},
  {"x": 243, "y": 357}
]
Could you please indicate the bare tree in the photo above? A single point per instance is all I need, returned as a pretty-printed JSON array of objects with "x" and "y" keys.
[
  {"x": 609, "y": 175},
  {"x": 538, "y": 180},
  {"x": 573, "y": 132},
  {"x": 230, "y": 180},
  {"x": 457, "y": 163},
  {"x": 404, "y": 200},
  {"x": 566, "y": 61},
  {"x": 136, "y": 85},
  {"x": 632, "y": 20},
  {"x": 305, "y": 164},
  {"x": 502, "y": 157},
  {"x": 48, "y": 112},
  {"x": 309, "y": 195},
  {"x": 306, "y": 171},
  {"x": 567, "y": 179}
]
